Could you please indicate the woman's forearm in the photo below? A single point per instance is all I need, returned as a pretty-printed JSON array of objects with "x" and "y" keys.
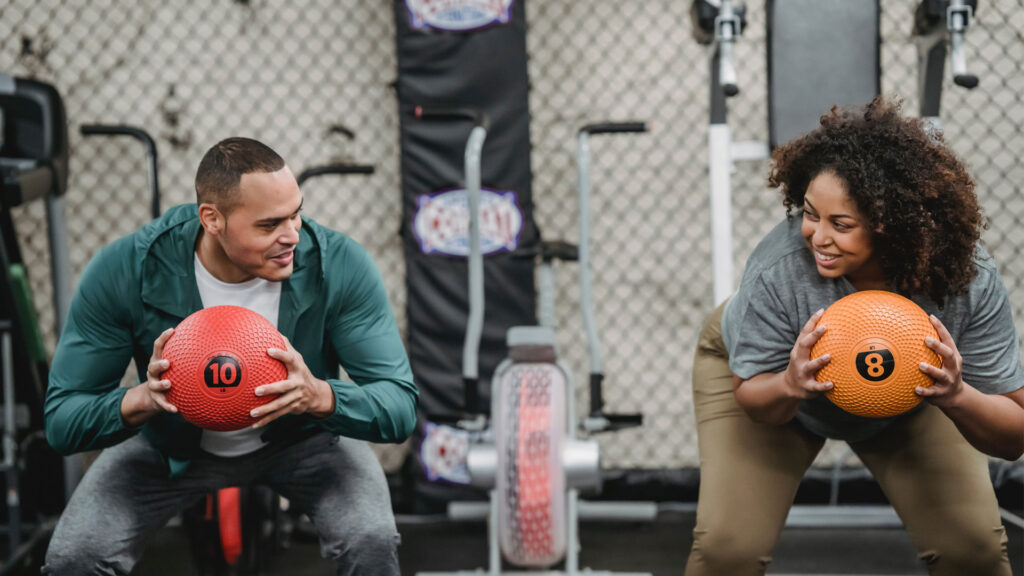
[
  {"x": 766, "y": 398},
  {"x": 992, "y": 423}
]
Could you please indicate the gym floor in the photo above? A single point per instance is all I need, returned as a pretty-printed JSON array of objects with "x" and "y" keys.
[{"x": 431, "y": 543}]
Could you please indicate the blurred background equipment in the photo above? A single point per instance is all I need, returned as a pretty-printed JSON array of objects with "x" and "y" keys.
[
  {"x": 33, "y": 169},
  {"x": 191, "y": 74}
]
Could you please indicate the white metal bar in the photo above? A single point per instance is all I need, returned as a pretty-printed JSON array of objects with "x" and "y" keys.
[
  {"x": 749, "y": 151},
  {"x": 586, "y": 304},
  {"x": 720, "y": 165}
]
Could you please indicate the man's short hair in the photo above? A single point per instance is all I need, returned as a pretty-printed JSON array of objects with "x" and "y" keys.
[{"x": 223, "y": 165}]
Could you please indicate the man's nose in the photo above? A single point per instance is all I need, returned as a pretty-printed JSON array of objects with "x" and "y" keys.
[{"x": 291, "y": 233}]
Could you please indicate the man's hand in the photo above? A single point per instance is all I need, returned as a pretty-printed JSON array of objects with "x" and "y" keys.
[
  {"x": 300, "y": 393},
  {"x": 141, "y": 402}
]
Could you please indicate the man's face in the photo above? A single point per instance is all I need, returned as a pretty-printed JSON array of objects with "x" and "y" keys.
[{"x": 260, "y": 235}]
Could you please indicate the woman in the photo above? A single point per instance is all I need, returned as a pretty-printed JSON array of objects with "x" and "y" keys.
[{"x": 882, "y": 204}]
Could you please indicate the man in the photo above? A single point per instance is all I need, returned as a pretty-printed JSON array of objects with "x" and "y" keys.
[{"x": 245, "y": 244}]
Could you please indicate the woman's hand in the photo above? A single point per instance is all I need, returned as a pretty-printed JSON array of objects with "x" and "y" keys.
[
  {"x": 992, "y": 423},
  {"x": 774, "y": 397},
  {"x": 948, "y": 379},
  {"x": 799, "y": 378}
]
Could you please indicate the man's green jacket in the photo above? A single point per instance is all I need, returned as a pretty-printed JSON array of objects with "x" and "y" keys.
[{"x": 334, "y": 310}]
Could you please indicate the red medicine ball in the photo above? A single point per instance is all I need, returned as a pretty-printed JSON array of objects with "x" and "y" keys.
[{"x": 218, "y": 357}]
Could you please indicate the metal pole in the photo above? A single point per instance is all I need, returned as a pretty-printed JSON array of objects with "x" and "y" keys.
[
  {"x": 572, "y": 557},
  {"x": 727, "y": 27},
  {"x": 546, "y": 281},
  {"x": 60, "y": 262},
  {"x": 493, "y": 547},
  {"x": 10, "y": 443},
  {"x": 474, "y": 326},
  {"x": 719, "y": 141},
  {"x": 958, "y": 18},
  {"x": 60, "y": 275},
  {"x": 586, "y": 302},
  {"x": 726, "y": 30}
]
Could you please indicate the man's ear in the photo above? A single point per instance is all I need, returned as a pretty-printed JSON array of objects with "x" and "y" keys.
[{"x": 211, "y": 219}]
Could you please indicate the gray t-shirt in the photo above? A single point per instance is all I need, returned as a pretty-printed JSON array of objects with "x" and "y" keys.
[{"x": 781, "y": 289}]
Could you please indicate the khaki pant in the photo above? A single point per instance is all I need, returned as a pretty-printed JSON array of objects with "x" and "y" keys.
[{"x": 937, "y": 482}]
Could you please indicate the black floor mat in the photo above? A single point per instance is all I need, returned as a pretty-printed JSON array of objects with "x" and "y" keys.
[{"x": 659, "y": 547}]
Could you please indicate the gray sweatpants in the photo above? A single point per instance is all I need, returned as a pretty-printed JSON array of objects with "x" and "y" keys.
[{"x": 126, "y": 496}]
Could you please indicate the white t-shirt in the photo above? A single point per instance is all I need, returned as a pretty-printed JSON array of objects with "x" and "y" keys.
[{"x": 261, "y": 296}]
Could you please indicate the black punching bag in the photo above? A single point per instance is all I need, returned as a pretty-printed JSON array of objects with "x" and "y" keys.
[{"x": 468, "y": 54}]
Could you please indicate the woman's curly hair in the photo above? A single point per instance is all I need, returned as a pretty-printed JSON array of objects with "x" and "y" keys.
[{"x": 916, "y": 196}]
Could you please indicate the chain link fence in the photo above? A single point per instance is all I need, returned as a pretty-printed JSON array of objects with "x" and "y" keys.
[{"x": 297, "y": 75}]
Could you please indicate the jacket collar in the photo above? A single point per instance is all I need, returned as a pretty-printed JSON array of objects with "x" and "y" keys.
[{"x": 166, "y": 249}]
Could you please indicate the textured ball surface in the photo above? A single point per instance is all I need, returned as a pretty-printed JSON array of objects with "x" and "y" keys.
[
  {"x": 218, "y": 357},
  {"x": 876, "y": 341}
]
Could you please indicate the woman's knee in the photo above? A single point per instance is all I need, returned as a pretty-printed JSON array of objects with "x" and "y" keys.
[
  {"x": 982, "y": 552},
  {"x": 724, "y": 551}
]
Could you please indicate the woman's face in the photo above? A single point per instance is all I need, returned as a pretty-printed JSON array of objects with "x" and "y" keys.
[{"x": 838, "y": 235}]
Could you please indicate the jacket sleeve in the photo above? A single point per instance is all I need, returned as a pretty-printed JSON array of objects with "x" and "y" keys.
[
  {"x": 379, "y": 405},
  {"x": 83, "y": 399}
]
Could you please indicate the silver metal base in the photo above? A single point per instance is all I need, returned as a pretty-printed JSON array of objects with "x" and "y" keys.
[
  {"x": 584, "y": 572},
  {"x": 861, "y": 516},
  {"x": 853, "y": 516},
  {"x": 607, "y": 511}
]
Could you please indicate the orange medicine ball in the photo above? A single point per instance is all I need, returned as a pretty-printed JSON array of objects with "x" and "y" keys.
[
  {"x": 876, "y": 342},
  {"x": 218, "y": 357}
]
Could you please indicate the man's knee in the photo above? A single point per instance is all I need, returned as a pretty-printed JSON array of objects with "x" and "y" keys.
[
  {"x": 721, "y": 551},
  {"x": 371, "y": 544},
  {"x": 74, "y": 558}
]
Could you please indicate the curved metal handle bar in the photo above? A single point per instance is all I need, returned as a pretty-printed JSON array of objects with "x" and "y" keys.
[
  {"x": 335, "y": 169},
  {"x": 583, "y": 247},
  {"x": 614, "y": 127},
  {"x": 475, "y": 261},
  {"x": 142, "y": 136}
]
